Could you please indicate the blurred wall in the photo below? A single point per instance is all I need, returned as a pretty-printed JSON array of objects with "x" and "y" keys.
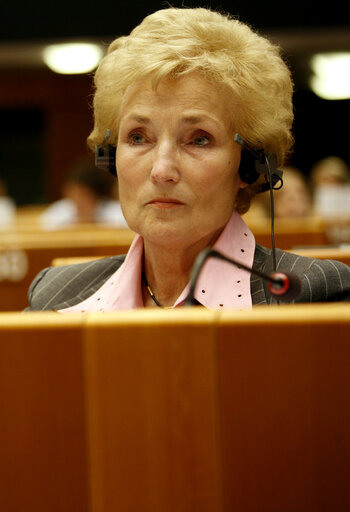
[{"x": 62, "y": 103}]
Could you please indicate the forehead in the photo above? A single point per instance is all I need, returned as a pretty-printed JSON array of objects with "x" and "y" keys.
[{"x": 190, "y": 92}]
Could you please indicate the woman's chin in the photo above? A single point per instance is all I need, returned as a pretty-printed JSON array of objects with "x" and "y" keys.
[{"x": 169, "y": 234}]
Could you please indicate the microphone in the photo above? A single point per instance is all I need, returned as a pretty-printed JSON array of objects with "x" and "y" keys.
[{"x": 282, "y": 285}]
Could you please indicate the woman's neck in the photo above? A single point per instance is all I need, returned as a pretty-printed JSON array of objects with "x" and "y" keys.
[
  {"x": 166, "y": 274},
  {"x": 167, "y": 270}
]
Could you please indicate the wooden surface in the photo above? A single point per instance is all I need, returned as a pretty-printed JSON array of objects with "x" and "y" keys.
[
  {"x": 153, "y": 412},
  {"x": 42, "y": 450},
  {"x": 185, "y": 410},
  {"x": 285, "y": 390}
]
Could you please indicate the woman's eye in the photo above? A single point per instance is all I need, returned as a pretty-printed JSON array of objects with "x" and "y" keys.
[
  {"x": 136, "y": 138},
  {"x": 201, "y": 140}
]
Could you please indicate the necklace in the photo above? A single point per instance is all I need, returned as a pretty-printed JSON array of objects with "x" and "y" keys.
[{"x": 148, "y": 288}]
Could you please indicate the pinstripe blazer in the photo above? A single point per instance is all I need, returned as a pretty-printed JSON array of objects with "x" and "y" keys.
[{"x": 322, "y": 280}]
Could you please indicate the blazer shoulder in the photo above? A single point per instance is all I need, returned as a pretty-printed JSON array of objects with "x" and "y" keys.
[
  {"x": 321, "y": 280},
  {"x": 58, "y": 287}
]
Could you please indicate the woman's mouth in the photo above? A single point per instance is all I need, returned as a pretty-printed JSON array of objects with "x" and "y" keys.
[{"x": 165, "y": 202}]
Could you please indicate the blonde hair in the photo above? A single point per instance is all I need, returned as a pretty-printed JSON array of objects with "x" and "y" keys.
[{"x": 175, "y": 41}]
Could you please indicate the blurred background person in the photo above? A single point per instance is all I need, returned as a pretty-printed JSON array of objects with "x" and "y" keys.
[
  {"x": 330, "y": 184},
  {"x": 294, "y": 199},
  {"x": 329, "y": 171},
  {"x": 7, "y": 206},
  {"x": 89, "y": 196}
]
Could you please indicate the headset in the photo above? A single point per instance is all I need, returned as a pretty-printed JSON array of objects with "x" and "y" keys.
[
  {"x": 105, "y": 155},
  {"x": 254, "y": 163}
]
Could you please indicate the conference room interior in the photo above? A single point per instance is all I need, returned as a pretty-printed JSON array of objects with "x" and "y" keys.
[
  {"x": 47, "y": 116},
  {"x": 283, "y": 372}
]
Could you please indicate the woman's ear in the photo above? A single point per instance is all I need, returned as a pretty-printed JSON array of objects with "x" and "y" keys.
[{"x": 242, "y": 184}]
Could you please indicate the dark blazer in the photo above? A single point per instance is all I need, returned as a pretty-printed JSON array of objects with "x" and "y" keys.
[{"x": 321, "y": 280}]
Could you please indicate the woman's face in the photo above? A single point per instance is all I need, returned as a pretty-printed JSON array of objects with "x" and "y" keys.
[{"x": 177, "y": 161}]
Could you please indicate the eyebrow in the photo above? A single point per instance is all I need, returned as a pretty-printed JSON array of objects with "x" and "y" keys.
[
  {"x": 193, "y": 119},
  {"x": 138, "y": 118},
  {"x": 188, "y": 119}
]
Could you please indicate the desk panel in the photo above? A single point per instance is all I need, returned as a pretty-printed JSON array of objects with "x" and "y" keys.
[{"x": 43, "y": 449}]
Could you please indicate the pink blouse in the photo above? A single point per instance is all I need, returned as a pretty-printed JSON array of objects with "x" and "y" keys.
[{"x": 220, "y": 284}]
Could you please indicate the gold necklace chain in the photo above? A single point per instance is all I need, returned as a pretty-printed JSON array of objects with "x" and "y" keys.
[{"x": 153, "y": 297}]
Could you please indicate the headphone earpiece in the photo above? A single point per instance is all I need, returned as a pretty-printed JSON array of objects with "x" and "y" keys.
[
  {"x": 105, "y": 155},
  {"x": 255, "y": 163},
  {"x": 105, "y": 158},
  {"x": 247, "y": 171}
]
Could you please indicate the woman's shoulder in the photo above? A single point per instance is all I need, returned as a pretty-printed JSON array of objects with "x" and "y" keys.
[{"x": 63, "y": 286}]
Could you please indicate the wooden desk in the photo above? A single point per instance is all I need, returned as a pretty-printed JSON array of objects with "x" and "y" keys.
[
  {"x": 177, "y": 410},
  {"x": 285, "y": 390},
  {"x": 42, "y": 450}
]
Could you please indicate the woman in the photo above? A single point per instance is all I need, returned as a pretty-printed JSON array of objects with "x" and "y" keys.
[{"x": 179, "y": 98}]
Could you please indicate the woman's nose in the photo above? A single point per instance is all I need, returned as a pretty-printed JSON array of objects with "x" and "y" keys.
[{"x": 165, "y": 163}]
